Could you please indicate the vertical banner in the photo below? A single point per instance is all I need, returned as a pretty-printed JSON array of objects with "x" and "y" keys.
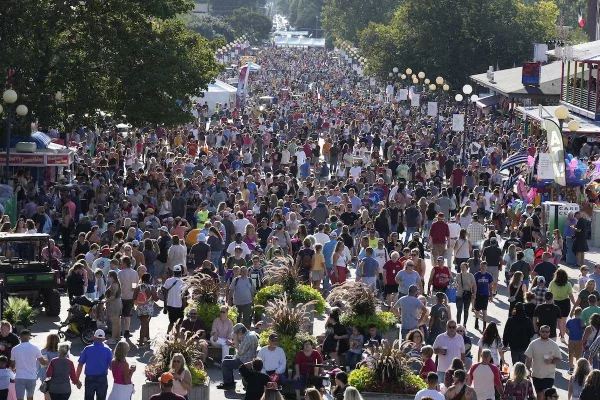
[
  {"x": 557, "y": 151},
  {"x": 432, "y": 108},
  {"x": 415, "y": 101},
  {"x": 240, "y": 97},
  {"x": 458, "y": 122},
  {"x": 403, "y": 94}
]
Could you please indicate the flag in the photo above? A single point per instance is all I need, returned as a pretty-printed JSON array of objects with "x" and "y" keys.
[
  {"x": 514, "y": 178},
  {"x": 515, "y": 160},
  {"x": 580, "y": 19}
]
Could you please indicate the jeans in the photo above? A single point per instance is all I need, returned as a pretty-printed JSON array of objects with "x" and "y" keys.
[
  {"x": 25, "y": 385},
  {"x": 460, "y": 306},
  {"x": 441, "y": 375},
  {"x": 409, "y": 232},
  {"x": 227, "y": 367},
  {"x": 518, "y": 356},
  {"x": 571, "y": 259},
  {"x": 96, "y": 385},
  {"x": 245, "y": 314},
  {"x": 326, "y": 281},
  {"x": 352, "y": 359}
]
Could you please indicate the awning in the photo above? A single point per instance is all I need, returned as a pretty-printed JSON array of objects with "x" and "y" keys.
[{"x": 488, "y": 101}]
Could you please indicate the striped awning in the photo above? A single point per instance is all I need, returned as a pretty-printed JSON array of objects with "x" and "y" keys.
[{"x": 41, "y": 140}]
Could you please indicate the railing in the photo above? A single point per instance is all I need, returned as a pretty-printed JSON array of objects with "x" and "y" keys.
[{"x": 580, "y": 97}]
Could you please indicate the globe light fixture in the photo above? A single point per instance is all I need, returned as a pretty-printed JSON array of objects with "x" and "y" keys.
[
  {"x": 458, "y": 97},
  {"x": 10, "y": 96},
  {"x": 439, "y": 80},
  {"x": 467, "y": 89}
]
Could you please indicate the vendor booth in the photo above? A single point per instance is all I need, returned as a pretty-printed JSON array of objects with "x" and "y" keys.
[
  {"x": 45, "y": 161},
  {"x": 218, "y": 92}
]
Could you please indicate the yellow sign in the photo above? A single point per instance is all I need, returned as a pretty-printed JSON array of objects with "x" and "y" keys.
[{"x": 246, "y": 59}]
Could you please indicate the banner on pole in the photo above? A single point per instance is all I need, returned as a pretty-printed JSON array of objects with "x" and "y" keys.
[
  {"x": 415, "y": 101},
  {"x": 557, "y": 151},
  {"x": 403, "y": 94},
  {"x": 458, "y": 122},
  {"x": 545, "y": 169},
  {"x": 432, "y": 108},
  {"x": 240, "y": 98}
]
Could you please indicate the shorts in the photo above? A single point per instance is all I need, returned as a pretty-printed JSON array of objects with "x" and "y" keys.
[
  {"x": 575, "y": 349},
  {"x": 127, "y": 307},
  {"x": 495, "y": 271},
  {"x": 481, "y": 302},
  {"x": 317, "y": 276},
  {"x": 390, "y": 289},
  {"x": 541, "y": 384},
  {"x": 565, "y": 307},
  {"x": 159, "y": 268},
  {"x": 25, "y": 385}
]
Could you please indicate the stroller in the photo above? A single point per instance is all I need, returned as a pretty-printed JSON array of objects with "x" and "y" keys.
[{"x": 79, "y": 322}]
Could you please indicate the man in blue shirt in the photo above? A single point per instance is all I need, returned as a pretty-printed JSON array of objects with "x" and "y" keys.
[
  {"x": 328, "y": 250},
  {"x": 484, "y": 281},
  {"x": 96, "y": 358}
]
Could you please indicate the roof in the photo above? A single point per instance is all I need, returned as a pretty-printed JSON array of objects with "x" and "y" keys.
[
  {"x": 4, "y": 237},
  {"x": 299, "y": 42},
  {"x": 290, "y": 33},
  {"x": 220, "y": 86},
  {"x": 41, "y": 140},
  {"x": 583, "y": 51},
  {"x": 586, "y": 126},
  {"x": 508, "y": 82},
  {"x": 487, "y": 101}
]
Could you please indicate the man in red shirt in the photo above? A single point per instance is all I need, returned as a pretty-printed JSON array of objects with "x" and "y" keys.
[
  {"x": 391, "y": 268},
  {"x": 457, "y": 178},
  {"x": 438, "y": 237},
  {"x": 439, "y": 278}
]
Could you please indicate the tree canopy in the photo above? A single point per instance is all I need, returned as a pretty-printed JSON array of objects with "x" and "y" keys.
[
  {"x": 125, "y": 58},
  {"x": 209, "y": 26},
  {"x": 344, "y": 19},
  {"x": 253, "y": 24},
  {"x": 301, "y": 14},
  {"x": 454, "y": 39},
  {"x": 228, "y": 7}
]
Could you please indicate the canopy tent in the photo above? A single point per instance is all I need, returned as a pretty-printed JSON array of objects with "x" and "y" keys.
[
  {"x": 218, "y": 92},
  {"x": 298, "y": 42}
]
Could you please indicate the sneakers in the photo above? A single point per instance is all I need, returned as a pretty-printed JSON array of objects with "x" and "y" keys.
[
  {"x": 127, "y": 335},
  {"x": 226, "y": 386}
]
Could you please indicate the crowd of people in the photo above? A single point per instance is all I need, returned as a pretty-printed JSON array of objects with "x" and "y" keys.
[{"x": 348, "y": 186}]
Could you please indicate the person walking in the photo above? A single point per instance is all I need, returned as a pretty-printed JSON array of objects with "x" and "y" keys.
[
  {"x": 166, "y": 388},
  {"x": 577, "y": 380},
  {"x": 542, "y": 356},
  {"x": 466, "y": 289},
  {"x": 172, "y": 292},
  {"x": 243, "y": 293},
  {"x": 517, "y": 333},
  {"x": 129, "y": 280},
  {"x": 485, "y": 377},
  {"x": 61, "y": 370},
  {"x": 145, "y": 295},
  {"x": 96, "y": 358},
  {"x": 580, "y": 245},
  {"x": 122, "y": 388},
  {"x": 114, "y": 306},
  {"x": 49, "y": 352},
  {"x": 447, "y": 346},
  {"x": 25, "y": 357}
]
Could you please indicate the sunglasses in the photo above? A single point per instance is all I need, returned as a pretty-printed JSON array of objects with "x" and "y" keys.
[
  {"x": 176, "y": 361},
  {"x": 544, "y": 331},
  {"x": 452, "y": 327},
  {"x": 223, "y": 311}
]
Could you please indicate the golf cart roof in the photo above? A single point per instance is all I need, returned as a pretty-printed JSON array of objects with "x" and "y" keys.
[{"x": 13, "y": 237}]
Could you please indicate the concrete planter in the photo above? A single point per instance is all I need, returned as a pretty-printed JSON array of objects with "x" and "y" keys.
[
  {"x": 200, "y": 392},
  {"x": 386, "y": 396},
  {"x": 392, "y": 335}
]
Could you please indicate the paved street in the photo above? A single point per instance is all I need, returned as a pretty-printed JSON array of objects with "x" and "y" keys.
[{"x": 497, "y": 311}]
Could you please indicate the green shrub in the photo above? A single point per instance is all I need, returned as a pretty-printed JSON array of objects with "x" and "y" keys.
[
  {"x": 18, "y": 312},
  {"x": 209, "y": 312},
  {"x": 199, "y": 376},
  {"x": 290, "y": 345},
  {"x": 362, "y": 378},
  {"x": 384, "y": 321},
  {"x": 301, "y": 294}
]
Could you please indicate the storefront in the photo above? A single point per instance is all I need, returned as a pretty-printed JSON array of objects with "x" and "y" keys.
[{"x": 45, "y": 165}]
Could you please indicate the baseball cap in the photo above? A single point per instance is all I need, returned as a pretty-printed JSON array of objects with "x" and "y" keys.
[
  {"x": 164, "y": 229},
  {"x": 167, "y": 379},
  {"x": 170, "y": 219},
  {"x": 106, "y": 252},
  {"x": 452, "y": 219},
  {"x": 440, "y": 258},
  {"x": 333, "y": 235},
  {"x": 135, "y": 243},
  {"x": 99, "y": 334},
  {"x": 273, "y": 336},
  {"x": 177, "y": 268},
  {"x": 541, "y": 279},
  {"x": 202, "y": 237}
]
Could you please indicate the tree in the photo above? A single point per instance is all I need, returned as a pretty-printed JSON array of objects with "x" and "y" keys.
[
  {"x": 472, "y": 35},
  {"x": 123, "y": 58},
  {"x": 255, "y": 25},
  {"x": 344, "y": 19},
  {"x": 210, "y": 27},
  {"x": 228, "y": 7}
]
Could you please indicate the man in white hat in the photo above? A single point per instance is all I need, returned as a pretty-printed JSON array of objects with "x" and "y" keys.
[
  {"x": 96, "y": 358},
  {"x": 174, "y": 288},
  {"x": 454, "y": 228}
]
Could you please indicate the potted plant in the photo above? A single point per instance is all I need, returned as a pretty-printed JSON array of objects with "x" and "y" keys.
[
  {"x": 204, "y": 295},
  {"x": 176, "y": 342},
  {"x": 360, "y": 308},
  {"x": 387, "y": 373},
  {"x": 283, "y": 280},
  {"x": 18, "y": 312},
  {"x": 290, "y": 322}
]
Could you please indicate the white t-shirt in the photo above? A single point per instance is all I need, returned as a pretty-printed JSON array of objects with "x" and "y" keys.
[
  {"x": 25, "y": 356},
  {"x": 536, "y": 351},
  {"x": 300, "y": 157},
  {"x": 434, "y": 394},
  {"x": 175, "y": 286},
  {"x": 455, "y": 347}
]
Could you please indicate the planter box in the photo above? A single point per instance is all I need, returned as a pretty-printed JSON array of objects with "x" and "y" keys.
[
  {"x": 392, "y": 335},
  {"x": 386, "y": 396},
  {"x": 201, "y": 392}
]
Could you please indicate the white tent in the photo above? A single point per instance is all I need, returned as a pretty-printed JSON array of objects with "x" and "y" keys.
[{"x": 218, "y": 92}]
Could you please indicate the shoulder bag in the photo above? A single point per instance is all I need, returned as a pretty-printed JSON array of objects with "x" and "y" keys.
[{"x": 466, "y": 294}]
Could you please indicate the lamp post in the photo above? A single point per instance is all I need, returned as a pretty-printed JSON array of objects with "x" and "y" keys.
[
  {"x": 10, "y": 98},
  {"x": 561, "y": 113}
]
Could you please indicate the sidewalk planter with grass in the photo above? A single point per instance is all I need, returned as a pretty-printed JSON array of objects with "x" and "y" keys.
[{"x": 199, "y": 392}]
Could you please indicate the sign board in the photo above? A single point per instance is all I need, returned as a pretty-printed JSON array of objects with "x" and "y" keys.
[
  {"x": 415, "y": 101},
  {"x": 432, "y": 108},
  {"x": 545, "y": 169},
  {"x": 246, "y": 59},
  {"x": 557, "y": 151},
  {"x": 458, "y": 122},
  {"x": 531, "y": 73},
  {"x": 403, "y": 94},
  {"x": 23, "y": 160},
  {"x": 57, "y": 159}
]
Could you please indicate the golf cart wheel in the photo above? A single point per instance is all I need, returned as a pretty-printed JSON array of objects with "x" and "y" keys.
[
  {"x": 52, "y": 303},
  {"x": 87, "y": 336}
]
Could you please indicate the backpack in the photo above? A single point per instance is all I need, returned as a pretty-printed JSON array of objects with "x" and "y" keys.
[
  {"x": 256, "y": 276},
  {"x": 142, "y": 298},
  {"x": 47, "y": 225},
  {"x": 306, "y": 259}
]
